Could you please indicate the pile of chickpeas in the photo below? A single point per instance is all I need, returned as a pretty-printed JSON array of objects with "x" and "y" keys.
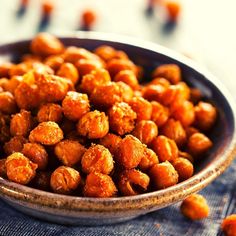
[{"x": 80, "y": 123}]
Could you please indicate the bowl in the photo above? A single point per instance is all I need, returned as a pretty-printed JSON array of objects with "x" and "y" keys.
[{"x": 73, "y": 210}]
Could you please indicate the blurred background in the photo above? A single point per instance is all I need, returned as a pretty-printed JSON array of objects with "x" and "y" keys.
[{"x": 201, "y": 29}]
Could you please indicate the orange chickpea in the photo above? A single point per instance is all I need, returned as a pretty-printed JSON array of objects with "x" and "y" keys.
[
  {"x": 15, "y": 144},
  {"x": 19, "y": 69},
  {"x": 97, "y": 159},
  {"x": 163, "y": 175},
  {"x": 5, "y": 68},
  {"x": 20, "y": 169},
  {"x": 75, "y": 105},
  {"x": 111, "y": 142},
  {"x": 105, "y": 52},
  {"x": 65, "y": 180},
  {"x": 145, "y": 131},
  {"x": 99, "y": 185},
  {"x": 3, "y": 170},
  {"x": 13, "y": 83},
  {"x": 42, "y": 180},
  {"x": 190, "y": 130},
  {"x": 49, "y": 112},
  {"x": 153, "y": 92},
  {"x": 205, "y": 115},
  {"x": 160, "y": 81},
  {"x": 126, "y": 91},
  {"x": 46, "y": 133},
  {"x": 160, "y": 114},
  {"x": 69, "y": 152},
  {"x": 45, "y": 44},
  {"x": 165, "y": 148},
  {"x": 130, "y": 152},
  {"x": 86, "y": 66},
  {"x": 148, "y": 160},
  {"x": 69, "y": 71},
  {"x": 121, "y": 118},
  {"x": 170, "y": 72},
  {"x": 7, "y": 103},
  {"x": 198, "y": 144},
  {"x": 228, "y": 225},
  {"x": 186, "y": 155},
  {"x": 37, "y": 154},
  {"x": 174, "y": 130},
  {"x": 3, "y": 84},
  {"x": 128, "y": 77},
  {"x": 93, "y": 125},
  {"x": 94, "y": 79},
  {"x": 21, "y": 123},
  {"x": 133, "y": 182},
  {"x": 195, "y": 207},
  {"x": 54, "y": 61},
  {"x": 184, "y": 168}
]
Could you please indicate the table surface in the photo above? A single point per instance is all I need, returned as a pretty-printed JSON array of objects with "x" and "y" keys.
[{"x": 205, "y": 31}]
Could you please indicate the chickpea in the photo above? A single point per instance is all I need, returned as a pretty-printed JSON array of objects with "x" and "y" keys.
[
  {"x": 97, "y": 159},
  {"x": 190, "y": 130},
  {"x": 5, "y": 68},
  {"x": 163, "y": 175},
  {"x": 130, "y": 152},
  {"x": 69, "y": 152},
  {"x": 20, "y": 169},
  {"x": 93, "y": 125},
  {"x": 37, "y": 154},
  {"x": 195, "y": 207},
  {"x": 105, "y": 52},
  {"x": 65, "y": 180},
  {"x": 4, "y": 83},
  {"x": 228, "y": 225},
  {"x": 19, "y": 69},
  {"x": 46, "y": 133},
  {"x": 165, "y": 148},
  {"x": 94, "y": 79},
  {"x": 154, "y": 92},
  {"x": 186, "y": 155},
  {"x": 133, "y": 182},
  {"x": 145, "y": 131},
  {"x": 45, "y": 44},
  {"x": 42, "y": 180},
  {"x": 75, "y": 105},
  {"x": 99, "y": 185},
  {"x": 13, "y": 83},
  {"x": 160, "y": 81},
  {"x": 54, "y": 61},
  {"x": 198, "y": 144},
  {"x": 170, "y": 72},
  {"x": 128, "y": 77},
  {"x": 69, "y": 71},
  {"x": 86, "y": 66},
  {"x": 21, "y": 123},
  {"x": 148, "y": 160},
  {"x": 184, "y": 168},
  {"x": 126, "y": 92},
  {"x": 7, "y": 103},
  {"x": 174, "y": 130},
  {"x": 15, "y": 144},
  {"x": 111, "y": 142},
  {"x": 50, "y": 112},
  {"x": 121, "y": 118},
  {"x": 3, "y": 170},
  {"x": 160, "y": 114},
  {"x": 205, "y": 115}
]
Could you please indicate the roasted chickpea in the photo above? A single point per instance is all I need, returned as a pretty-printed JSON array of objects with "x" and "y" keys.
[
  {"x": 148, "y": 160},
  {"x": 3, "y": 170},
  {"x": 205, "y": 116},
  {"x": 7, "y": 103},
  {"x": 54, "y": 61},
  {"x": 20, "y": 169},
  {"x": 198, "y": 144},
  {"x": 13, "y": 83},
  {"x": 105, "y": 52},
  {"x": 121, "y": 118},
  {"x": 174, "y": 130},
  {"x": 190, "y": 130},
  {"x": 126, "y": 91},
  {"x": 37, "y": 154},
  {"x": 15, "y": 144},
  {"x": 130, "y": 152},
  {"x": 42, "y": 180},
  {"x": 19, "y": 69},
  {"x": 163, "y": 175},
  {"x": 69, "y": 71},
  {"x": 228, "y": 225},
  {"x": 99, "y": 185},
  {"x": 195, "y": 207},
  {"x": 186, "y": 155},
  {"x": 154, "y": 92},
  {"x": 111, "y": 142},
  {"x": 145, "y": 131},
  {"x": 128, "y": 77},
  {"x": 65, "y": 180},
  {"x": 133, "y": 182},
  {"x": 46, "y": 133},
  {"x": 165, "y": 148},
  {"x": 86, "y": 66},
  {"x": 3, "y": 83},
  {"x": 45, "y": 44},
  {"x": 69, "y": 152},
  {"x": 5, "y": 68},
  {"x": 75, "y": 105},
  {"x": 93, "y": 125},
  {"x": 21, "y": 123},
  {"x": 49, "y": 112},
  {"x": 184, "y": 168},
  {"x": 160, "y": 114},
  {"x": 160, "y": 81},
  {"x": 97, "y": 159},
  {"x": 170, "y": 72}
]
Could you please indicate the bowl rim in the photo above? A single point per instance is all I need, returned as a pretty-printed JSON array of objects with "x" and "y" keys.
[{"x": 174, "y": 193}]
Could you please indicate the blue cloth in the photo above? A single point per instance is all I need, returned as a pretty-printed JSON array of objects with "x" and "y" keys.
[{"x": 221, "y": 196}]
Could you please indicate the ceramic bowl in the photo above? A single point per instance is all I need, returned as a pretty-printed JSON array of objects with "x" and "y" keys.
[{"x": 94, "y": 211}]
